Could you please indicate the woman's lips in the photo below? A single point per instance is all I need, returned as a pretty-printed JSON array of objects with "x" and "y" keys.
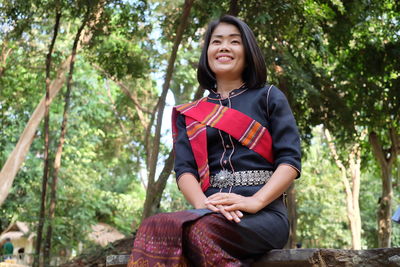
[{"x": 224, "y": 58}]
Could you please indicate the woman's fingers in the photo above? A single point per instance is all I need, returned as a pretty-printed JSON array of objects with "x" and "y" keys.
[
  {"x": 235, "y": 216},
  {"x": 247, "y": 204},
  {"x": 239, "y": 213},
  {"x": 233, "y": 207},
  {"x": 224, "y": 212},
  {"x": 220, "y": 196},
  {"x": 230, "y": 215},
  {"x": 222, "y": 199},
  {"x": 219, "y": 202},
  {"x": 234, "y": 201},
  {"x": 234, "y": 213},
  {"x": 212, "y": 207}
]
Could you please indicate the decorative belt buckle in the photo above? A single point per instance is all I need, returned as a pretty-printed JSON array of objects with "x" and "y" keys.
[{"x": 223, "y": 179}]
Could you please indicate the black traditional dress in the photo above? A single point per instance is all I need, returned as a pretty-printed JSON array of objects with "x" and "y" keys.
[{"x": 204, "y": 238}]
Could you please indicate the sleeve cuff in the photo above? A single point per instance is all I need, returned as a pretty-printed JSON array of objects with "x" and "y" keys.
[
  {"x": 290, "y": 165},
  {"x": 179, "y": 177}
]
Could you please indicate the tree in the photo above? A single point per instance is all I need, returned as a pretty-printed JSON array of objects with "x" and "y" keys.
[
  {"x": 386, "y": 158},
  {"x": 351, "y": 178},
  {"x": 46, "y": 141}
]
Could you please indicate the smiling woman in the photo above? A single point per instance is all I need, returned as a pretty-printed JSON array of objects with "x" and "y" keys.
[
  {"x": 236, "y": 152},
  {"x": 226, "y": 56}
]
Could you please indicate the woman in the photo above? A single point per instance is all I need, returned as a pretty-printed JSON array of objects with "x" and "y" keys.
[{"x": 236, "y": 152}]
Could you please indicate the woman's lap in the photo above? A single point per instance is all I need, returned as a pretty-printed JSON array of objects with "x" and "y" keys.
[{"x": 207, "y": 238}]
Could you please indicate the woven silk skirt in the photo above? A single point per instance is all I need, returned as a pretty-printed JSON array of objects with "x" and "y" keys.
[{"x": 204, "y": 238}]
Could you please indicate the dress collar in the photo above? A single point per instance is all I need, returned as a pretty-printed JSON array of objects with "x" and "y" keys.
[{"x": 214, "y": 95}]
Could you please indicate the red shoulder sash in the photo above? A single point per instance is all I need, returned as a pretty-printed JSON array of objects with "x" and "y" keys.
[{"x": 243, "y": 128}]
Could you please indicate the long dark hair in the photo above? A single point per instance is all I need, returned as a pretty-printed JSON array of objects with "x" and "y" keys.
[{"x": 254, "y": 75}]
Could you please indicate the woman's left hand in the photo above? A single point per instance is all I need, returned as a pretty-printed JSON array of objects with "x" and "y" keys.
[{"x": 232, "y": 202}]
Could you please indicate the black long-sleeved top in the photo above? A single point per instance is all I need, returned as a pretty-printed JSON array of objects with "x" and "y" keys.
[{"x": 268, "y": 106}]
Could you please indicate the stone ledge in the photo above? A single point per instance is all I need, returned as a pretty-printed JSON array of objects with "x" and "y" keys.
[
  {"x": 310, "y": 258},
  {"x": 117, "y": 260},
  {"x": 330, "y": 257}
]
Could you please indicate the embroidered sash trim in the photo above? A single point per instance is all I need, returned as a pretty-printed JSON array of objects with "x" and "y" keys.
[{"x": 201, "y": 113}]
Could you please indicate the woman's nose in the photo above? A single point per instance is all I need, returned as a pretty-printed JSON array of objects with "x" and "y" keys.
[{"x": 223, "y": 47}]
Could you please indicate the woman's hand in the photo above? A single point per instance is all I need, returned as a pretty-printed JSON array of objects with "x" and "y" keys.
[
  {"x": 234, "y": 202},
  {"x": 230, "y": 215}
]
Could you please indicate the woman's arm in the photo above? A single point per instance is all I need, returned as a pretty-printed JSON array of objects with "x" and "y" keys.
[
  {"x": 191, "y": 189},
  {"x": 276, "y": 186}
]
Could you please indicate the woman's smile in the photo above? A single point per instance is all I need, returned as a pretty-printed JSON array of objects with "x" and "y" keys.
[{"x": 224, "y": 58}]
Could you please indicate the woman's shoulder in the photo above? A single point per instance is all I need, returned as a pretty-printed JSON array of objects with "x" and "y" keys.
[
  {"x": 268, "y": 93},
  {"x": 273, "y": 94}
]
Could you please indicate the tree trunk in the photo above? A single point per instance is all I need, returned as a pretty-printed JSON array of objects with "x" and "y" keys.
[
  {"x": 355, "y": 170},
  {"x": 385, "y": 159},
  {"x": 292, "y": 213},
  {"x": 154, "y": 189},
  {"x": 17, "y": 156},
  {"x": 57, "y": 161},
  {"x": 352, "y": 190},
  {"x": 154, "y": 194},
  {"x": 385, "y": 209},
  {"x": 46, "y": 144}
]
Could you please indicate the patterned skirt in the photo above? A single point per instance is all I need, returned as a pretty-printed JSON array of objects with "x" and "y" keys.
[{"x": 204, "y": 238}]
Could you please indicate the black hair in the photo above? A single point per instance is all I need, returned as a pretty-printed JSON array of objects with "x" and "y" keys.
[{"x": 254, "y": 74}]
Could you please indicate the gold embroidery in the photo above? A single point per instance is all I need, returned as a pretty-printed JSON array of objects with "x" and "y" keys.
[
  {"x": 141, "y": 262},
  {"x": 151, "y": 255}
]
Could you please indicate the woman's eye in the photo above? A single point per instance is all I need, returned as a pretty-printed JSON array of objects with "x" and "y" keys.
[
  {"x": 215, "y": 42},
  {"x": 235, "y": 42}
]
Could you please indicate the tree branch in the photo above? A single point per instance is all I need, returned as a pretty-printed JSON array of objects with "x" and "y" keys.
[
  {"x": 126, "y": 91},
  {"x": 395, "y": 148}
]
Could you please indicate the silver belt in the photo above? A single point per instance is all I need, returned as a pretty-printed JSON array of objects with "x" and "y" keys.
[{"x": 225, "y": 178}]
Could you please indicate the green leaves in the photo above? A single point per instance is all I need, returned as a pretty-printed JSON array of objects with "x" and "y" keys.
[{"x": 120, "y": 57}]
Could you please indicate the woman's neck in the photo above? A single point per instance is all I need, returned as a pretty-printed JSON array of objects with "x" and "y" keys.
[{"x": 225, "y": 87}]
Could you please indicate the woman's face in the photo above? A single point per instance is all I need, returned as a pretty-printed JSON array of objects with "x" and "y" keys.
[{"x": 225, "y": 54}]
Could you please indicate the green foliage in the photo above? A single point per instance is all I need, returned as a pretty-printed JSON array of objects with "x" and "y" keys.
[{"x": 120, "y": 57}]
